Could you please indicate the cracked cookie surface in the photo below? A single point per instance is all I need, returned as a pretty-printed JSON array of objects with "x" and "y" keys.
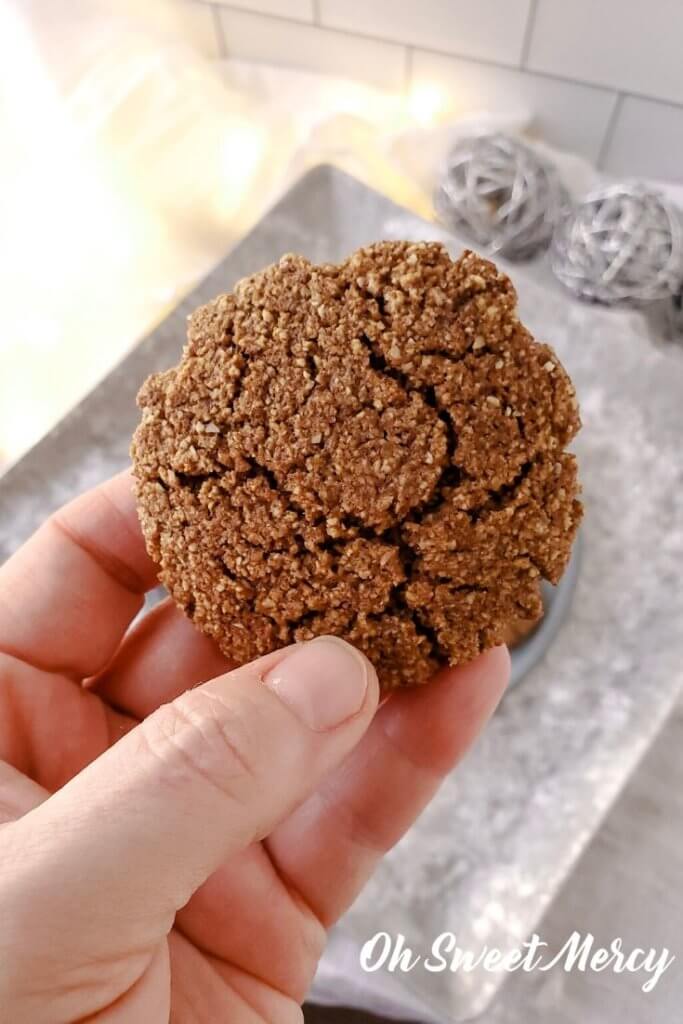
[{"x": 373, "y": 449}]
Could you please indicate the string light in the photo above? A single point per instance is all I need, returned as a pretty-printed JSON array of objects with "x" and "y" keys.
[
  {"x": 426, "y": 103},
  {"x": 118, "y": 195}
]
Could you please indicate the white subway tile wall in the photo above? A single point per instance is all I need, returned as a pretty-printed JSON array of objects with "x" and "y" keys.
[
  {"x": 603, "y": 78},
  {"x": 301, "y": 10},
  {"x": 488, "y": 29},
  {"x": 565, "y": 114},
  {"x": 278, "y": 41},
  {"x": 199, "y": 26},
  {"x": 634, "y": 45},
  {"x": 647, "y": 140}
]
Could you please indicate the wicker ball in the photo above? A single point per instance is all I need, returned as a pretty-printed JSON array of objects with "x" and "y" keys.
[
  {"x": 673, "y": 327},
  {"x": 501, "y": 194},
  {"x": 623, "y": 243}
]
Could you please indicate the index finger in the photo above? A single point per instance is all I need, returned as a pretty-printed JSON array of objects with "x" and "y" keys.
[{"x": 68, "y": 595}]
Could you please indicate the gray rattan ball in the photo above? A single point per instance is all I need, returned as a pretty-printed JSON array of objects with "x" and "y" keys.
[
  {"x": 501, "y": 194},
  {"x": 674, "y": 318},
  {"x": 623, "y": 243}
]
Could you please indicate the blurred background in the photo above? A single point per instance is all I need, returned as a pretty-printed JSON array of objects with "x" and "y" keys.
[{"x": 139, "y": 141}]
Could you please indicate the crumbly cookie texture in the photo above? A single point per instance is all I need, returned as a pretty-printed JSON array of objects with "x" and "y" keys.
[
  {"x": 373, "y": 449},
  {"x": 517, "y": 631}
]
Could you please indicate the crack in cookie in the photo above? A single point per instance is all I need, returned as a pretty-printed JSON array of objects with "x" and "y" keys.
[{"x": 373, "y": 449}]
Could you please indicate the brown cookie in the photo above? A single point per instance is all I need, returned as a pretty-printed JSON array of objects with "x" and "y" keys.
[
  {"x": 517, "y": 630},
  {"x": 373, "y": 449}
]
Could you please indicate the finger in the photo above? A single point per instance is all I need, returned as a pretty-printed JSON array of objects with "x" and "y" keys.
[
  {"x": 18, "y": 794},
  {"x": 49, "y": 728},
  {"x": 330, "y": 846},
  {"x": 311, "y": 867},
  {"x": 68, "y": 595},
  {"x": 197, "y": 781},
  {"x": 244, "y": 908},
  {"x": 161, "y": 657},
  {"x": 223, "y": 994}
]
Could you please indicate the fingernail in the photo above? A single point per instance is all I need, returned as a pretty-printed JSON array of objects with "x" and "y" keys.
[{"x": 324, "y": 682}]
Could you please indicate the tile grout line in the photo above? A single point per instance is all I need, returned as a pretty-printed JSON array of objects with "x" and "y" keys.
[
  {"x": 315, "y": 12},
  {"x": 446, "y": 54},
  {"x": 237, "y": 7},
  {"x": 610, "y": 129},
  {"x": 219, "y": 33},
  {"x": 488, "y": 63},
  {"x": 282, "y": 18},
  {"x": 615, "y": 91},
  {"x": 528, "y": 32}
]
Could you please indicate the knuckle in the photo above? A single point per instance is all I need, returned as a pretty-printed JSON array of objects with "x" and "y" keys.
[
  {"x": 313, "y": 941},
  {"x": 202, "y": 736}
]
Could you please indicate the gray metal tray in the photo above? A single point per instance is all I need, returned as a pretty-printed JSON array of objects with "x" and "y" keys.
[{"x": 491, "y": 851}]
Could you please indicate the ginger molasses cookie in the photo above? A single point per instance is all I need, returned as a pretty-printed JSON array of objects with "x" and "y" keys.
[
  {"x": 373, "y": 449},
  {"x": 518, "y": 630}
]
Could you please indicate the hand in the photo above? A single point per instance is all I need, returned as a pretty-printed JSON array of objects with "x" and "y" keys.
[{"x": 177, "y": 848}]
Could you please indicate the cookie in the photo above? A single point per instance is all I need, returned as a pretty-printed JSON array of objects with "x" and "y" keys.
[
  {"x": 373, "y": 449},
  {"x": 517, "y": 631}
]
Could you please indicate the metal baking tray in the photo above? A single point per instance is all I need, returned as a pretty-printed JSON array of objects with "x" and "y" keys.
[
  {"x": 556, "y": 604},
  {"x": 492, "y": 849}
]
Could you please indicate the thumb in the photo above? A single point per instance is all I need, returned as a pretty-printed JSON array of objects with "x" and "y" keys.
[{"x": 124, "y": 844}]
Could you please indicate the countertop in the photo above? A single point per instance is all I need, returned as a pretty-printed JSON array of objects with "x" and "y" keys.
[
  {"x": 627, "y": 883},
  {"x": 527, "y": 802}
]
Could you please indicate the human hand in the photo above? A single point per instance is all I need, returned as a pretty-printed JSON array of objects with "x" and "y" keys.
[{"x": 173, "y": 848}]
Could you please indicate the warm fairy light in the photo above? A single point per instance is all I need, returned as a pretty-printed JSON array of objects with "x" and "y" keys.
[
  {"x": 120, "y": 188},
  {"x": 242, "y": 149},
  {"x": 426, "y": 103},
  {"x": 66, "y": 235}
]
